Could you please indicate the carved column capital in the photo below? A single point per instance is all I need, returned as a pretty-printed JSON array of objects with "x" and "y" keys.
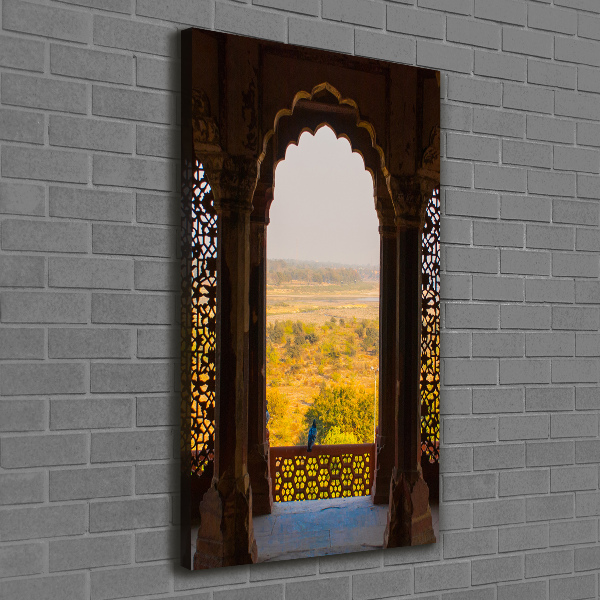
[
  {"x": 232, "y": 179},
  {"x": 411, "y": 196}
]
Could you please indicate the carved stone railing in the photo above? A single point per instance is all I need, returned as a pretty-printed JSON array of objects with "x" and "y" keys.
[{"x": 329, "y": 471}]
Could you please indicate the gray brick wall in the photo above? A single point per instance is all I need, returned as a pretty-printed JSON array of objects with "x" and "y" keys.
[{"x": 89, "y": 148}]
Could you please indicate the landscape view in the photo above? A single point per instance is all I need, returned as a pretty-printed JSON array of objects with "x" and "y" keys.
[{"x": 322, "y": 352}]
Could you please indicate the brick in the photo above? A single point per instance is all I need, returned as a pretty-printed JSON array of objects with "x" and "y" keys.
[
  {"x": 385, "y": 47},
  {"x": 133, "y": 105},
  {"x": 89, "y": 343},
  {"x": 455, "y": 287},
  {"x": 131, "y": 378},
  {"x": 187, "y": 580},
  {"x": 545, "y": 454},
  {"x": 471, "y": 204},
  {"x": 527, "y": 98},
  {"x": 415, "y": 22},
  {"x": 132, "y": 35},
  {"x": 530, "y": 43},
  {"x": 42, "y": 522},
  {"x": 89, "y": 483},
  {"x": 130, "y": 581},
  {"x": 456, "y": 344},
  {"x": 458, "y": 402},
  {"x": 470, "y": 429},
  {"x": 500, "y": 66},
  {"x": 22, "y": 271},
  {"x": 550, "y": 18},
  {"x": 455, "y": 516},
  {"x": 553, "y": 75},
  {"x": 576, "y": 51},
  {"x": 40, "y": 236},
  {"x": 457, "y": 460},
  {"x": 158, "y": 343},
  {"x": 549, "y": 508},
  {"x": 462, "y": 7},
  {"x": 524, "y": 317},
  {"x": 19, "y": 126},
  {"x": 498, "y": 456},
  {"x": 22, "y": 199},
  {"x": 527, "y": 154},
  {"x": 500, "y": 400},
  {"x": 526, "y": 208},
  {"x": 543, "y": 290},
  {"x": 551, "y": 184},
  {"x": 133, "y": 172},
  {"x": 505, "y": 179},
  {"x": 523, "y": 537},
  {"x": 132, "y": 309},
  {"x": 575, "y": 317},
  {"x": 472, "y": 147},
  {"x": 573, "y": 425},
  {"x": 158, "y": 73},
  {"x": 152, "y": 412},
  {"x": 470, "y": 543},
  {"x": 588, "y": 26},
  {"x": 533, "y": 590},
  {"x": 75, "y": 132},
  {"x": 470, "y": 372},
  {"x": 493, "y": 570},
  {"x": 550, "y": 129},
  {"x": 384, "y": 584},
  {"x": 576, "y": 104},
  {"x": 21, "y": 488},
  {"x": 587, "y": 398},
  {"x": 44, "y": 93},
  {"x": 90, "y": 273},
  {"x": 48, "y": 165},
  {"x": 21, "y": 54},
  {"x": 157, "y": 545},
  {"x": 587, "y": 134},
  {"x": 263, "y": 24},
  {"x": 132, "y": 240},
  {"x": 90, "y": 552},
  {"x": 587, "y": 344},
  {"x": 22, "y": 415},
  {"x": 21, "y": 343},
  {"x": 456, "y": 173},
  {"x": 131, "y": 446},
  {"x": 472, "y": 33},
  {"x": 118, "y": 515},
  {"x": 65, "y": 586},
  {"x": 498, "y": 512},
  {"x": 587, "y": 559},
  {"x": 158, "y": 141},
  {"x": 442, "y": 577},
  {"x": 574, "y": 265},
  {"x": 46, "y": 21},
  {"x": 306, "y": 7},
  {"x": 158, "y": 209},
  {"x": 588, "y": 79},
  {"x": 498, "y": 344},
  {"x": 22, "y": 559},
  {"x": 498, "y": 288},
  {"x": 156, "y": 478},
  {"x": 587, "y": 451},
  {"x": 44, "y": 450},
  {"x": 469, "y": 487},
  {"x": 332, "y": 563},
  {"x": 468, "y": 316},
  {"x": 522, "y": 370},
  {"x": 35, "y": 378},
  {"x": 474, "y": 91},
  {"x": 523, "y": 427},
  {"x": 442, "y": 56},
  {"x": 456, "y": 117},
  {"x": 570, "y": 588},
  {"x": 588, "y": 239},
  {"x": 575, "y": 370},
  {"x": 524, "y": 262},
  {"x": 550, "y": 238},
  {"x": 319, "y": 34},
  {"x": 571, "y": 479},
  {"x": 336, "y": 588},
  {"x": 357, "y": 12},
  {"x": 91, "y": 205},
  {"x": 119, "y": 6},
  {"x": 478, "y": 260},
  {"x": 587, "y": 503},
  {"x": 549, "y": 399},
  {"x": 44, "y": 307},
  {"x": 189, "y": 12},
  {"x": 498, "y": 122},
  {"x": 542, "y": 564},
  {"x": 573, "y": 532},
  {"x": 576, "y": 159},
  {"x": 99, "y": 413},
  {"x": 587, "y": 186},
  {"x": 508, "y": 11}
]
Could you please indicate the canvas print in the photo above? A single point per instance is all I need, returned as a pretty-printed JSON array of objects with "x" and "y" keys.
[{"x": 310, "y": 384}]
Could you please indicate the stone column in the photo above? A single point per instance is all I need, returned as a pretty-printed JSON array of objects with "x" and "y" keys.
[
  {"x": 409, "y": 516},
  {"x": 226, "y": 534},
  {"x": 385, "y": 442},
  {"x": 258, "y": 443}
]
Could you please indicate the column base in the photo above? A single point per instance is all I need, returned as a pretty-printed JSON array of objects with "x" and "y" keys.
[
  {"x": 409, "y": 516},
  {"x": 226, "y": 535},
  {"x": 258, "y": 468}
]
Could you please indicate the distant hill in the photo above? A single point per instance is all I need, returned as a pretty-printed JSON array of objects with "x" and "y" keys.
[{"x": 283, "y": 271}]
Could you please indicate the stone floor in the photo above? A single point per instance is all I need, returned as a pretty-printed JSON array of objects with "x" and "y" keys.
[{"x": 321, "y": 527}]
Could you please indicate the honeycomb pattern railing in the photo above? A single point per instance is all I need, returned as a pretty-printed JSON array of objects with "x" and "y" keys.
[{"x": 329, "y": 471}]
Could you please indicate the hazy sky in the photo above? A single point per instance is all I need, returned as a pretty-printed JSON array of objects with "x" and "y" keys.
[{"x": 323, "y": 207}]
